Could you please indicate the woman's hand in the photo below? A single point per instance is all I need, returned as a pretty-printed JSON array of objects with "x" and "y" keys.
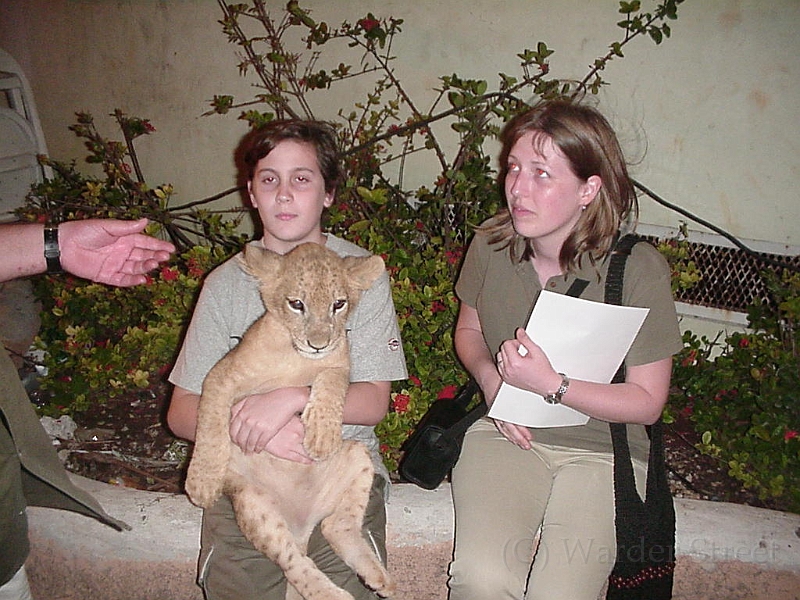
[
  {"x": 516, "y": 434},
  {"x": 523, "y": 364}
]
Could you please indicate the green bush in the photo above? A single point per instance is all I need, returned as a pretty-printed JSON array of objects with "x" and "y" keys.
[{"x": 741, "y": 395}]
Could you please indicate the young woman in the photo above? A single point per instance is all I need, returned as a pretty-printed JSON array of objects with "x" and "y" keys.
[
  {"x": 568, "y": 194},
  {"x": 292, "y": 170}
]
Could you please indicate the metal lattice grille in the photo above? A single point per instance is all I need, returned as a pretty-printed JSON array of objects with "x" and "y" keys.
[{"x": 731, "y": 278}]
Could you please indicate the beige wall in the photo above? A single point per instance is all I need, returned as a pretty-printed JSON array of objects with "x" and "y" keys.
[{"x": 712, "y": 115}]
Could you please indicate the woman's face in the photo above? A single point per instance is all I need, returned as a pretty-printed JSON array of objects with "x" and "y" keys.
[{"x": 544, "y": 196}]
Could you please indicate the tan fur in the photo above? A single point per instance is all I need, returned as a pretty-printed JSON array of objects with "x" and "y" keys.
[{"x": 299, "y": 341}]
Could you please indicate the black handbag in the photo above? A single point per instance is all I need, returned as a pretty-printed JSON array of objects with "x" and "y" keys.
[
  {"x": 645, "y": 529},
  {"x": 432, "y": 450}
]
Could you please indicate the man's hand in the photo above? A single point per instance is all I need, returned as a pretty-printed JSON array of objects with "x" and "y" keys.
[{"x": 111, "y": 251}]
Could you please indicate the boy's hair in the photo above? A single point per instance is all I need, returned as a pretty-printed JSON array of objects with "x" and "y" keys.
[
  {"x": 591, "y": 147},
  {"x": 320, "y": 135}
]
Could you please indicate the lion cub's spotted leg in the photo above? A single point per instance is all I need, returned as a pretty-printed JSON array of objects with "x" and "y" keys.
[
  {"x": 209, "y": 462},
  {"x": 343, "y": 528},
  {"x": 268, "y": 531},
  {"x": 238, "y": 371}
]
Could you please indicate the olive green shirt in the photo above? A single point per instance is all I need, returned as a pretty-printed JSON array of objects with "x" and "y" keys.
[{"x": 503, "y": 293}]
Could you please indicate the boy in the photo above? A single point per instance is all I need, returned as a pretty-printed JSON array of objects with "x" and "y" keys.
[{"x": 292, "y": 170}]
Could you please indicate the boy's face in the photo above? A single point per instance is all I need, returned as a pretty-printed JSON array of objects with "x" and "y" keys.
[{"x": 288, "y": 191}]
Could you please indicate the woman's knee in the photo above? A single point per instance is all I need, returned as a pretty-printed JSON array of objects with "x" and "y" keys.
[{"x": 484, "y": 580}]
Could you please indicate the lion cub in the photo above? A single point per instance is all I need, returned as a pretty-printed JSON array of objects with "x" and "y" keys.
[{"x": 300, "y": 340}]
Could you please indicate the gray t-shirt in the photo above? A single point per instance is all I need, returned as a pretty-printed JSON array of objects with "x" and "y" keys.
[{"x": 229, "y": 303}]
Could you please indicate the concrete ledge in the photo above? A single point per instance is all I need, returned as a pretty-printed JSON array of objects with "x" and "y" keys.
[{"x": 725, "y": 551}]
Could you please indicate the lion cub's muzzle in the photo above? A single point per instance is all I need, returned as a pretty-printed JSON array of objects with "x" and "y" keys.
[{"x": 317, "y": 346}]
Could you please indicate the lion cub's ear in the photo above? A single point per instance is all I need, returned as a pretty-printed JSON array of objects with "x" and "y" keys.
[
  {"x": 362, "y": 271},
  {"x": 259, "y": 262}
]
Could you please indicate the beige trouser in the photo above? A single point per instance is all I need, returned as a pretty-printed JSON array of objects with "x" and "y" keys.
[{"x": 504, "y": 495}]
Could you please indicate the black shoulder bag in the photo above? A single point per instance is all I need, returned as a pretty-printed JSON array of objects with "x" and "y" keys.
[
  {"x": 434, "y": 446},
  {"x": 645, "y": 530}
]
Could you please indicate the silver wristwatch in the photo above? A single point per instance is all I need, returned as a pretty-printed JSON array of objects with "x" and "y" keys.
[{"x": 556, "y": 397}]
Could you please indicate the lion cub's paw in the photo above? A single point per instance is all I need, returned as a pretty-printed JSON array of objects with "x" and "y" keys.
[
  {"x": 321, "y": 445},
  {"x": 379, "y": 580},
  {"x": 202, "y": 491},
  {"x": 387, "y": 589}
]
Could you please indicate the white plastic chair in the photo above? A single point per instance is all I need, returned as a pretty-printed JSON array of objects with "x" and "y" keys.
[{"x": 21, "y": 137}]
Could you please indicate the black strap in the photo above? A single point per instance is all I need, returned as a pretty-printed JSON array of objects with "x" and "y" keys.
[
  {"x": 648, "y": 523},
  {"x": 577, "y": 287},
  {"x": 613, "y": 295},
  {"x": 460, "y": 427}
]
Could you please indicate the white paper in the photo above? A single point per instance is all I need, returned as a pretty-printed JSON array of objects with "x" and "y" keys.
[{"x": 584, "y": 339}]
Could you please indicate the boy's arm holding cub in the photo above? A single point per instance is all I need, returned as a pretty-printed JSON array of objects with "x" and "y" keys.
[{"x": 271, "y": 421}]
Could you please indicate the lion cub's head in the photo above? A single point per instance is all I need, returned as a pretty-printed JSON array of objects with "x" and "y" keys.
[{"x": 310, "y": 291}]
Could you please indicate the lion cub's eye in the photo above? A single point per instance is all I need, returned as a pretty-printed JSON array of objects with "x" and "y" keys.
[
  {"x": 339, "y": 305},
  {"x": 297, "y": 305}
]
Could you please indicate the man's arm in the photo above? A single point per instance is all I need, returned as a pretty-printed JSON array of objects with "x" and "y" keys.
[{"x": 108, "y": 251}]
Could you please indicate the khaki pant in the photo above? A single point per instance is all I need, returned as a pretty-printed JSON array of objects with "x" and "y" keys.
[
  {"x": 232, "y": 569},
  {"x": 504, "y": 496}
]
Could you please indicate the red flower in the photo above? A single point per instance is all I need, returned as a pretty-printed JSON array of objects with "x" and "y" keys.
[
  {"x": 169, "y": 274},
  {"x": 448, "y": 391},
  {"x": 415, "y": 380},
  {"x": 400, "y": 403},
  {"x": 369, "y": 23},
  {"x": 194, "y": 268},
  {"x": 690, "y": 359},
  {"x": 437, "y": 306},
  {"x": 744, "y": 342},
  {"x": 790, "y": 434},
  {"x": 453, "y": 256}
]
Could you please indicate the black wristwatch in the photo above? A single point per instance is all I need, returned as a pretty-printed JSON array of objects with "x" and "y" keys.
[{"x": 52, "y": 253}]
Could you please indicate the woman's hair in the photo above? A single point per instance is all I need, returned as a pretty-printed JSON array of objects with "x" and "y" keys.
[
  {"x": 591, "y": 147},
  {"x": 320, "y": 135}
]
